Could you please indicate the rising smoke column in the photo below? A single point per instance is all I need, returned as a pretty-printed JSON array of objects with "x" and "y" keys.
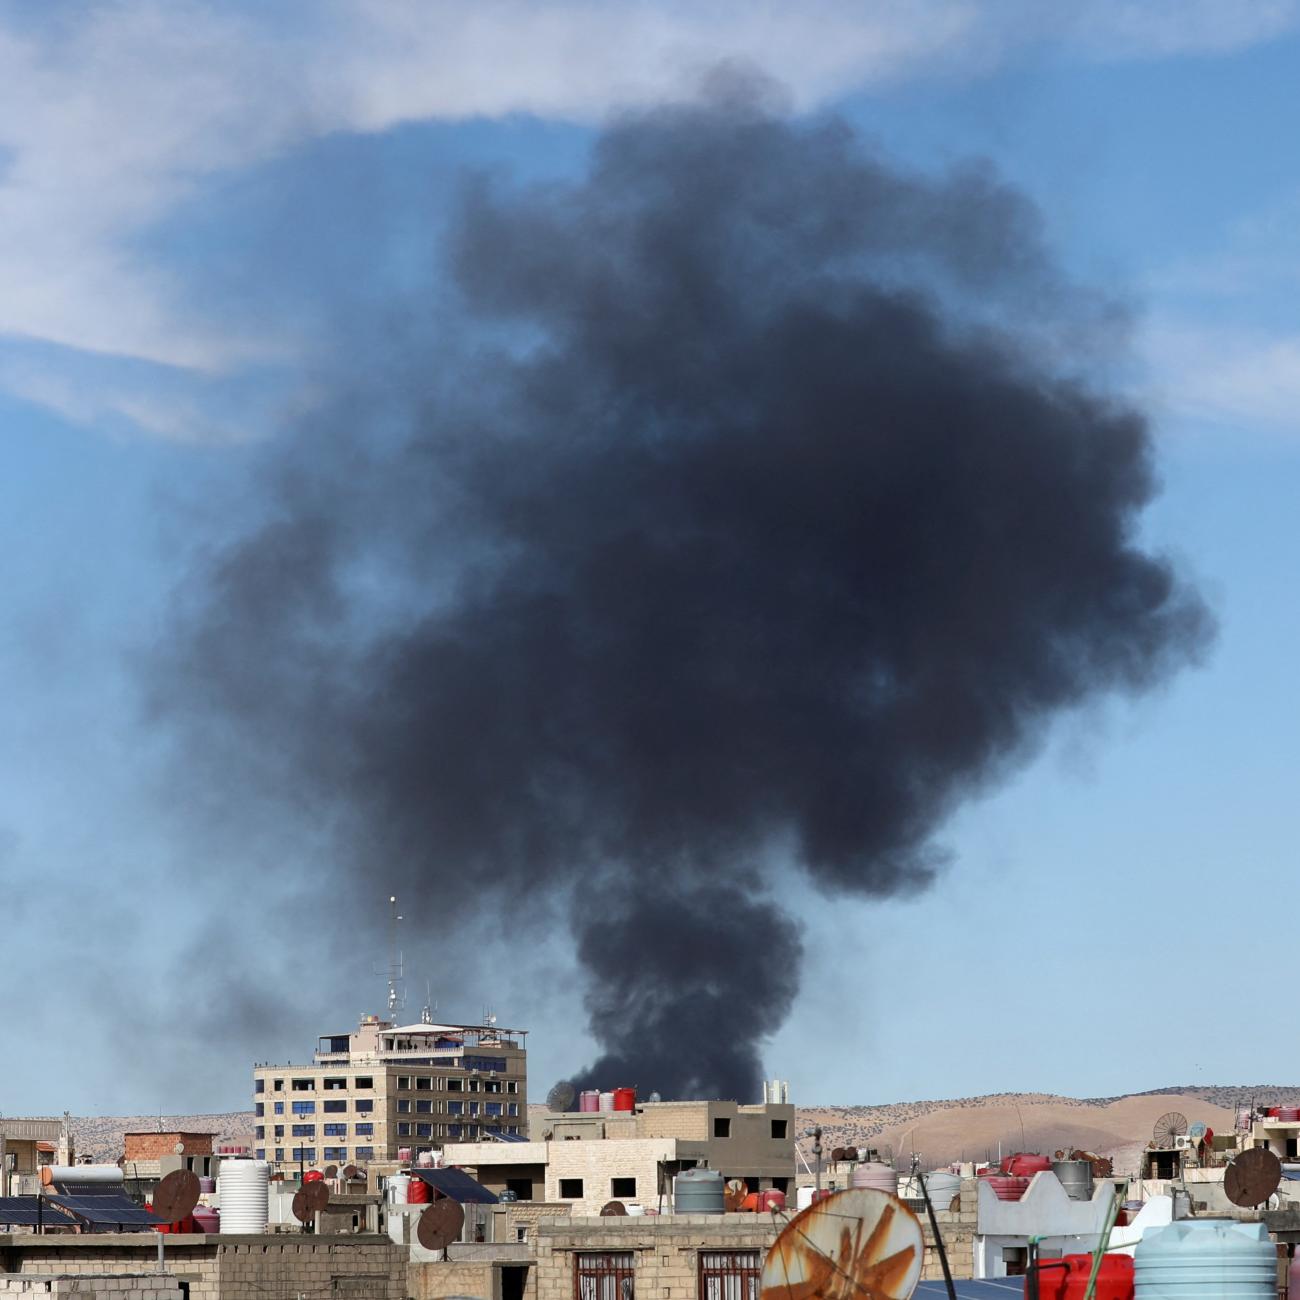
[{"x": 761, "y": 512}]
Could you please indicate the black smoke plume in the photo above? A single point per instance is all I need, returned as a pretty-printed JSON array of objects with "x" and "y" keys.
[{"x": 753, "y": 508}]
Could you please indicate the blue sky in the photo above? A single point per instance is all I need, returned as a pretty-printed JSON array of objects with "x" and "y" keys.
[{"x": 192, "y": 197}]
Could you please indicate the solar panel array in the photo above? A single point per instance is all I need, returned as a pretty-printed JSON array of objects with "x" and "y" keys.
[
  {"x": 27, "y": 1212},
  {"x": 102, "y": 1211}
]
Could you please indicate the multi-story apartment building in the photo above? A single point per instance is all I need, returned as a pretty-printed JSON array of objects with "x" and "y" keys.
[{"x": 384, "y": 1087}]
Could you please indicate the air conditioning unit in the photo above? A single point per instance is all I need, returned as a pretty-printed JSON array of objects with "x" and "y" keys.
[{"x": 1184, "y": 1142}]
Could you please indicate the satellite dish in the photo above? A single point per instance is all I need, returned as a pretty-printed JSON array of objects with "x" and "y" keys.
[
  {"x": 1197, "y": 1130},
  {"x": 654, "y": 1096},
  {"x": 1170, "y": 1125},
  {"x": 440, "y": 1224},
  {"x": 176, "y": 1196},
  {"x": 859, "y": 1241},
  {"x": 1252, "y": 1177},
  {"x": 309, "y": 1200},
  {"x": 561, "y": 1096},
  {"x": 331, "y": 1171},
  {"x": 350, "y": 1172},
  {"x": 733, "y": 1195},
  {"x": 613, "y": 1210}
]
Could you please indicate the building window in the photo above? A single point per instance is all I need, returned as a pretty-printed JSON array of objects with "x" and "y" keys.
[
  {"x": 259, "y": 1085},
  {"x": 302, "y": 1153},
  {"x": 364, "y": 1106},
  {"x": 304, "y": 1107},
  {"x": 333, "y": 1106},
  {"x": 471, "y": 1130},
  {"x": 330, "y": 1131},
  {"x": 279, "y": 1108},
  {"x": 512, "y": 1108},
  {"x": 403, "y": 1130},
  {"x": 570, "y": 1189},
  {"x": 336, "y": 1153},
  {"x": 512, "y": 1128},
  {"x": 279, "y": 1153},
  {"x": 512, "y": 1085},
  {"x": 260, "y": 1153},
  {"x": 404, "y": 1106},
  {"x": 440, "y": 1083},
  {"x": 605, "y": 1275},
  {"x": 365, "y": 1130},
  {"x": 404, "y": 1083},
  {"x": 259, "y": 1131},
  {"x": 423, "y": 1083},
  {"x": 455, "y": 1107},
  {"x": 730, "y": 1274},
  {"x": 492, "y": 1108},
  {"x": 278, "y": 1085},
  {"x": 363, "y": 1081},
  {"x": 622, "y": 1187},
  {"x": 455, "y": 1085},
  {"x": 365, "y": 1153},
  {"x": 424, "y": 1106},
  {"x": 721, "y": 1128},
  {"x": 778, "y": 1128},
  {"x": 423, "y": 1131},
  {"x": 492, "y": 1085},
  {"x": 473, "y": 1108},
  {"x": 335, "y": 1085},
  {"x": 304, "y": 1130},
  {"x": 279, "y": 1130},
  {"x": 304, "y": 1085},
  {"x": 260, "y": 1109}
]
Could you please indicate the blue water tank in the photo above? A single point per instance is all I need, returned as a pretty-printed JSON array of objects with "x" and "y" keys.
[
  {"x": 1206, "y": 1259},
  {"x": 698, "y": 1191}
]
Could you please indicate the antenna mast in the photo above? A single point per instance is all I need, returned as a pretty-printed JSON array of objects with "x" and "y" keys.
[{"x": 395, "y": 999}]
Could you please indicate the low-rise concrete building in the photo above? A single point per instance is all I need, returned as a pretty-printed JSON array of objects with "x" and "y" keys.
[
  {"x": 26, "y": 1145},
  {"x": 588, "y": 1160}
]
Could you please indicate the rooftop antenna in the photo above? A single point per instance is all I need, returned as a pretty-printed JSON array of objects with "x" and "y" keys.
[
  {"x": 489, "y": 1017},
  {"x": 426, "y": 1014},
  {"x": 396, "y": 1000}
]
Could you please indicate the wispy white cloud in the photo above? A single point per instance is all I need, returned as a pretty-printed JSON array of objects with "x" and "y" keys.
[{"x": 111, "y": 115}]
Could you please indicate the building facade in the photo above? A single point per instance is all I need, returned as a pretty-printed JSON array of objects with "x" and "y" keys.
[{"x": 369, "y": 1094}]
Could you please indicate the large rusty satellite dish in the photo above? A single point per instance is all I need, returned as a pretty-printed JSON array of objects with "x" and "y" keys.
[
  {"x": 1252, "y": 1177},
  {"x": 176, "y": 1196},
  {"x": 440, "y": 1224},
  {"x": 612, "y": 1209},
  {"x": 859, "y": 1244}
]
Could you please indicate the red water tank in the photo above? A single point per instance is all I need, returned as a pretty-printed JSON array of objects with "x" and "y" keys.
[
  {"x": 624, "y": 1098},
  {"x": 770, "y": 1200},
  {"x": 1025, "y": 1165},
  {"x": 1007, "y": 1187},
  {"x": 1067, "y": 1278},
  {"x": 418, "y": 1192},
  {"x": 313, "y": 1176},
  {"x": 207, "y": 1220},
  {"x": 750, "y": 1204},
  {"x": 822, "y": 1195}
]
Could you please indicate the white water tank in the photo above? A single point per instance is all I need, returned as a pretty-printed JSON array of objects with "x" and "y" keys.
[
  {"x": 242, "y": 1186},
  {"x": 399, "y": 1186}
]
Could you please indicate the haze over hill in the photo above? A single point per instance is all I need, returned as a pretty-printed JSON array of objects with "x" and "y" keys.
[{"x": 941, "y": 1130}]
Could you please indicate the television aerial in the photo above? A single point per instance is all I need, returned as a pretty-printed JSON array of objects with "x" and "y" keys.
[
  {"x": 859, "y": 1241},
  {"x": 1172, "y": 1124}
]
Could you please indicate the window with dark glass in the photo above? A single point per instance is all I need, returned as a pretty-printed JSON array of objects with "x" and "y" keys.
[{"x": 570, "y": 1189}]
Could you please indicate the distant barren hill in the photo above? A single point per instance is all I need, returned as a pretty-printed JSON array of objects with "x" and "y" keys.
[
  {"x": 961, "y": 1128},
  {"x": 101, "y": 1138},
  {"x": 975, "y": 1128}
]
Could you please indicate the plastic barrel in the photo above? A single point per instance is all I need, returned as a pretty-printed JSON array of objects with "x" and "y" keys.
[
  {"x": 418, "y": 1192},
  {"x": 871, "y": 1173}
]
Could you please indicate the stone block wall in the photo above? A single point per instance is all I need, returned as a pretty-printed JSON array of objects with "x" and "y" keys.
[
  {"x": 957, "y": 1226},
  {"x": 665, "y": 1248},
  {"x": 90, "y": 1286}
]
